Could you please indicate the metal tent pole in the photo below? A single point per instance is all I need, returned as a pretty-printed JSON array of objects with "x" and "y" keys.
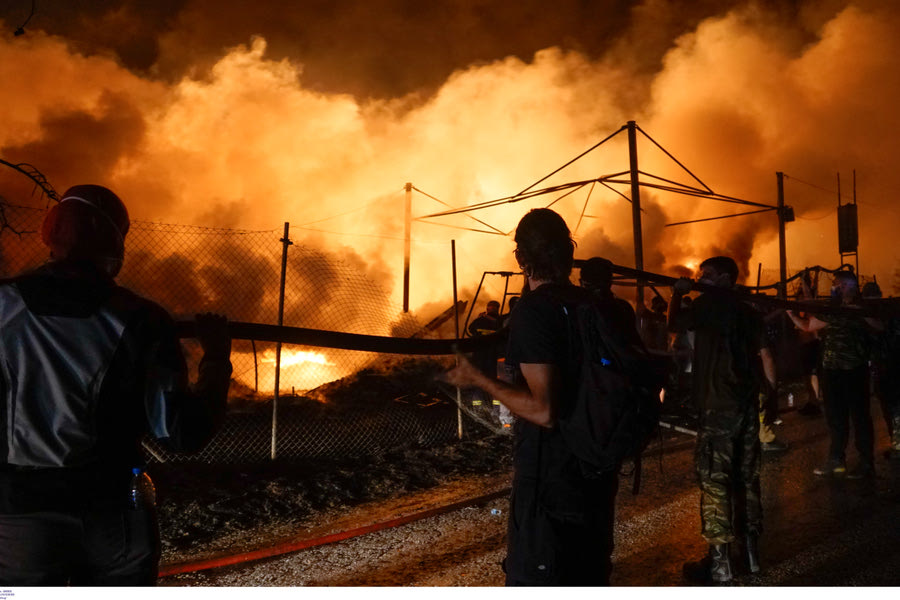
[{"x": 285, "y": 242}]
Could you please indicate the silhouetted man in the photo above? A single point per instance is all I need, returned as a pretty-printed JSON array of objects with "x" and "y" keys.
[
  {"x": 729, "y": 342},
  {"x": 86, "y": 369},
  {"x": 561, "y": 522}
]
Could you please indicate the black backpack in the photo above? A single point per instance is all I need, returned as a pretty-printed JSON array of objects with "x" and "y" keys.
[{"x": 613, "y": 412}]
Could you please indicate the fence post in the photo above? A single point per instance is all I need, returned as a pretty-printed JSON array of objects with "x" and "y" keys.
[
  {"x": 255, "y": 367},
  {"x": 406, "y": 243},
  {"x": 459, "y": 427},
  {"x": 285, "y": 242}
]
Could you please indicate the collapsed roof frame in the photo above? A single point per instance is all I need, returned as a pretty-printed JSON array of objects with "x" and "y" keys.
[{"x": 631, "y": 177}]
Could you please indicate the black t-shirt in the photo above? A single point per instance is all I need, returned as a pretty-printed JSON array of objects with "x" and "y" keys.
[
  {"x": 728, "y": 336},
  {"x": 538, "y": 334}
]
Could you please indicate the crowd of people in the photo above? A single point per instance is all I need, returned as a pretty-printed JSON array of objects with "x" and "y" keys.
[
  {"x": 87, "y": 368},
  {"x": 727, "y": 348}
]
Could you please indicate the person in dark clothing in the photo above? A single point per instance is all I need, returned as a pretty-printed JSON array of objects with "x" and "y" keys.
[
  {"x": 846, "y": 345},
  {"x": 884, "y": 368},
  {"x": 729, "y": 343},
  {"x": 561, "y": 522},
  {"x": 485, "y": 359},
  {"x": 679, "y": 398},
  {"x": 889, "y": 383},
  {"x": 87, "y": 368},
  {"x": 653, "y": 324},
  {"x": 504, "y": 319},
  {"x": 809, "y": 352},
  {"x": 596, "y": 277}
]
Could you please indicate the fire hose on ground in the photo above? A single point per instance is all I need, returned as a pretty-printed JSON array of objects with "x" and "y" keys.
[{"x": 300, "y": 543}]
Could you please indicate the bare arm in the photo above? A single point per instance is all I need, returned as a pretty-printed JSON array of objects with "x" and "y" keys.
[
  {"x": 532, "y": 402},
  {"x": 810, "y": 323},
  {"x": 768, "y": 363}
]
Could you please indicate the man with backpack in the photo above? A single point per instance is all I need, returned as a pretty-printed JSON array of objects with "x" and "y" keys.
[
  {"x": 87, "y": 369},
  {"x": 729, "y": 342},
  {"x": 560, "y": 528}
]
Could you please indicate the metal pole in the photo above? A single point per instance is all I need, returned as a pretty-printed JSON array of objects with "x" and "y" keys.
[
  {"x": 459, "y": 427},
  {"x": 782, "y": 251},
  {"x": 407, "y": 228},
  {"x": 255, "y": 367},
  {"x": 285, "y": 242},
  {"x": 636, "y": 207},
  {"x": 857, "y": 223}
]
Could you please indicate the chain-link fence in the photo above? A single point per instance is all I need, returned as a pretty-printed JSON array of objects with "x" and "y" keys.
[{"x": 375, "y": 401}]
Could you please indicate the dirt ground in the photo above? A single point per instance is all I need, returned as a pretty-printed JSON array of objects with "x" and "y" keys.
[{"x": 207, "y": 510}]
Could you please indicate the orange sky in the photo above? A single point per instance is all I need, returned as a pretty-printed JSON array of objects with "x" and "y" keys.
[{"x": 190, "y": 125}]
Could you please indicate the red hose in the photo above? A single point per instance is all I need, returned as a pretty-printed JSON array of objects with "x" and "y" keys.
[{"x": 295, "y": 544}]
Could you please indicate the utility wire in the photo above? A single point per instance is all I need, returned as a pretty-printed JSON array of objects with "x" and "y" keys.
[{"x": 812, "y": 185}]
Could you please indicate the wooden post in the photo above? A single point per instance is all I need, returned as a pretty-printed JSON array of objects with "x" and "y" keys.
[
  {"x": 636, "y": 208},
  {"x": 285, "y": 242},
  {"x": 406, "y": 243}
]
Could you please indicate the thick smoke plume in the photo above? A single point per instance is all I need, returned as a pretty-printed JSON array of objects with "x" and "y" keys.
[{"x": 230, "y": 114}]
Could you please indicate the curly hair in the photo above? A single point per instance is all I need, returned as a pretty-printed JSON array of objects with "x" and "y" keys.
[{"x": 544, "y": 246}]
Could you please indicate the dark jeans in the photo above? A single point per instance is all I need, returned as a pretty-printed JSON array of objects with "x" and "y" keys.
[
  {"x": 846, "y": 398},
  {"x": 555, "y": 547},
  {"x": 89, "y": 548}
]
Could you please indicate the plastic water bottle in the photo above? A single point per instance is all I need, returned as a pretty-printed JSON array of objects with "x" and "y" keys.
[{"x": 143, "y": 492}]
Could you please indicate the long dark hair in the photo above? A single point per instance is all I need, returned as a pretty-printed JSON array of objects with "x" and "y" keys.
[{"x": 544, "y": 247}]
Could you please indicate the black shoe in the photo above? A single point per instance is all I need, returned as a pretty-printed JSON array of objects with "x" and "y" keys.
[
  {"x": 773, "y": 446},
  {"x": 720, "y": 570},
  {"x": 751, "y": 547},
  {"x": 715, "y": 567}
]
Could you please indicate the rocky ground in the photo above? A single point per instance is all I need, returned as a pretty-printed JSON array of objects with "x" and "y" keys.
[{"x": 205, "y": 510}]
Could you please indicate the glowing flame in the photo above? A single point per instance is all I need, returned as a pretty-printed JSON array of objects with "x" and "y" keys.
[
  {"x": 301, "y": 370},
  {"x": 291, "y": 358}
]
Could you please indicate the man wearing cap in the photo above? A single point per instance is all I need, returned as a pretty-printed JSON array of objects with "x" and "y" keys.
[{"x": 87, "y": 368}]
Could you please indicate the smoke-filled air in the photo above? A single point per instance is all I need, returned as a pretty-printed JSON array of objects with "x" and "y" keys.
[{"x": 246, "y": 115}]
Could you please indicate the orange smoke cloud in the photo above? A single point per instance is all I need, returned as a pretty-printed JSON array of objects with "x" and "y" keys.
[{"x": 249, "y": 143}]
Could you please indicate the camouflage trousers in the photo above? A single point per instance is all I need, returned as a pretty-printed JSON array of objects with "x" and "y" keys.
[{"x": 727, "y": 462}]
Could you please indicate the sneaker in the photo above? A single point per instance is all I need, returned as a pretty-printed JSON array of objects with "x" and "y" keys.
[
  {"x": 773, "y": 446},
  {"x": 833, "y": 468},
  {"x": 862, "y": 471}
]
